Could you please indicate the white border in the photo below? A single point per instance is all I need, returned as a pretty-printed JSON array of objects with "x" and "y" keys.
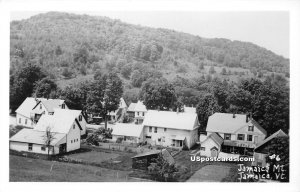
[{"x": 293, "y": 6}]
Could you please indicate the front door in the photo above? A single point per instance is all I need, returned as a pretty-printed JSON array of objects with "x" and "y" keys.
[
  {"x": 62, "y": 148},
  {"x": 214, "y": 152}
]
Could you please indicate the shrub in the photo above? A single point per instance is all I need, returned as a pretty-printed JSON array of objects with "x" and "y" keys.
[{"x": 119, "y": 140}]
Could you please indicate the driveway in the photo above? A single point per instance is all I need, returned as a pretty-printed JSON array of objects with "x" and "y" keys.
[{"x": 210, "y": 173}]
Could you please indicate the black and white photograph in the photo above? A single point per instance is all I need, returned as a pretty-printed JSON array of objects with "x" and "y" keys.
[{"x": 159, "y": 96}]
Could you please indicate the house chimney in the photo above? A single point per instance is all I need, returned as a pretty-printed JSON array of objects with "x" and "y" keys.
[
  {"x": 177, "y": 110},
  {"x": 233, "y": 115}
]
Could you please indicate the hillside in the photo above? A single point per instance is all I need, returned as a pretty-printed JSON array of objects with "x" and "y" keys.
[{"x": 84, "y": 44}]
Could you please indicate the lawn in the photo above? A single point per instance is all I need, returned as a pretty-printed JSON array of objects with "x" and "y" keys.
[
  {"x": 37, "y": 170},
  {"x": 105, "y": 158},
  {"x": 94, "y": 156}
]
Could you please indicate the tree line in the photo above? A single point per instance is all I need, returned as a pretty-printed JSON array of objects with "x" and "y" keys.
[{"x": 267, "y": 101}]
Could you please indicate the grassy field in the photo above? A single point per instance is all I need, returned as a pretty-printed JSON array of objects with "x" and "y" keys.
[
  {"x": 36, "y": 170},
  {"x": 94, "y": 156}
]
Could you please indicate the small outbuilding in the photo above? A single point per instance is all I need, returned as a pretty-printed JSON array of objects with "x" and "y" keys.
[
  {"x": 143, "y": 160},
  {"x": 211, "y": 146}
]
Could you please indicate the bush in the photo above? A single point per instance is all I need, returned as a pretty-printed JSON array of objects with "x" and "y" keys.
[
  {"x": 119, "y": 140},
  {"x": 93, "y": 139}
]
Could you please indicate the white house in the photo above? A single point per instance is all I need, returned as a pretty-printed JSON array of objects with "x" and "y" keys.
[
  {"x": 46, "y": 107},
  {"x": 130, "y": 133},
  {"x": 171, "y": 129},
  {"x": 241, "y": 133},
  {"x": 139, "y": 112},
  {"x": 211, "y": 146},
  {"x": 63, "y": 125},
  {"x": 31, "y": 110},
  {"x": 23, "y": 112},
  {"x": 130, "y": 110}
]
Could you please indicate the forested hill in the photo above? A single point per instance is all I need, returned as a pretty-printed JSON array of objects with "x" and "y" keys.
[{"x": 68, "y": 44}]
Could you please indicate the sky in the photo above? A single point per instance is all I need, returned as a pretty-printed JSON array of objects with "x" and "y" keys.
[{"x": 269, "y": 29}]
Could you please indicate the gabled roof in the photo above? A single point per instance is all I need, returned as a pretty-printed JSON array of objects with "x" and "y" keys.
[
  {"x": 122, "y": 103},
  {"x": 26, "y": 107},
  {"x": 215, "y": 137},
  {"x": 60, "y": 122},
  {"x": 227, "y": 123},
  {"x": 278, "y": 133},
  {"x": 35, "y": 136},
  {"x": 165, "y": 153},
  {"x": 140, "y": 107},
  {"x": 50, "y": 104},
  {"x": 131, "y": 107},
  {"x": 169, "y": 119},
  {"x": 127, "y": 129},
  {"x": 189, "y": 109}
]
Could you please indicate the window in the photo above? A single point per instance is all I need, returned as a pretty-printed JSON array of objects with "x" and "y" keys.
[
  {"x": 29, "y": 146},
  {"x": 250, "y": 128},
  {"x": 241, "y": 137},
  {"x": 138, "y": 113},
  {"x": 43, "y": 148},
  {"x": 63, "y": 106},
  {"x": 165, "y": 129},
  {"x": 41, "y": 106},
  {"x": 80, "y": 117},
  {"x": 150, "y": 129},
  {"x": 148, "y": 137},
  {"x": 143, "y": 113},
  {"x": 71, "y": 141},
  {"x": 202, "y": 148},
  {"x": 227, "y": 136},
  {"x": 19, "y": 120},
  {"x": 249, "y": 137},
  {"x": 25, "y": 121},
  {"x": 159, "y": 139},
  {"x": 73, "y": 126},
  {"x": 155, "y": 129}
]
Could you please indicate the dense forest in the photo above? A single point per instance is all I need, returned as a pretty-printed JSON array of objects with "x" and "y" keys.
[{"x": 62, "y": 55}]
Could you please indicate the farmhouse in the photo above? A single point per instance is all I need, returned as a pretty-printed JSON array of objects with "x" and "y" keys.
[
  {"x": 262, "y": 150},
  {"x": 137, "y": 111},
  {"x": 23, "y": 113},
  {"x": 29, "y": 112},
  {"x": 240, "y": 133},
  {"x": 130, "y": 110},
  {"x": 65, "y": 127},
  {"x": 142, "y": 161},
  {"x": 129, "y": 133},
  {"x": 46, "y": 106},
  {"x": 171, "y": 129}
]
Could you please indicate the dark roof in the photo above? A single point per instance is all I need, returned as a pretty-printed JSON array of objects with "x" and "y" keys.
[
  {"x": 217, "y": 138},
  {"x": 279, "y": 133},
  {"x": 147, "y": 153},
  {"x": 165, "y": 153}
]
